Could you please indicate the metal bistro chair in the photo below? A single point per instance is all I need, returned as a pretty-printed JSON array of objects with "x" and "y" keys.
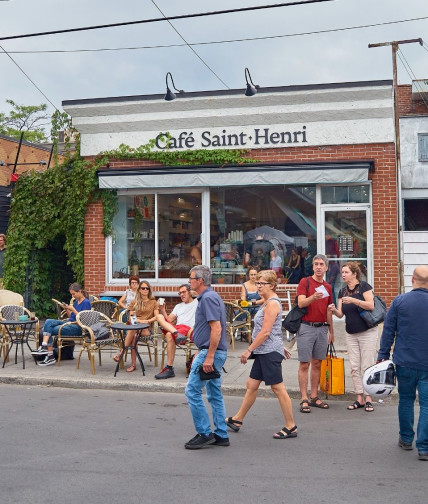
[
  {"x": 188, "y": 347},
  {"x": 7, "y": 313},
  {"x": 236, "y": 318},
  {"x": 107, "y": 307},
  {"x": 86, "y": 320},
  {"x": 150, "y": 342}
]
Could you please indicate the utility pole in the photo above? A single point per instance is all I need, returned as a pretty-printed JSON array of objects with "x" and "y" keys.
[{"x": 395, "y": 46}]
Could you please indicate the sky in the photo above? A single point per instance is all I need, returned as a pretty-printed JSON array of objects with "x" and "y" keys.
[{"x": 335, "y": 56}]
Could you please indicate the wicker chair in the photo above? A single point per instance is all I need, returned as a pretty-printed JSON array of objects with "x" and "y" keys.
[
  {"x": 61, "y": 314},
  {"x": 107, "y": 307},
  {"x": 236, "y": 318},
  {"x": 188, "y": 347},
  {"x": 86, "y": 319},
  {"x": 66, "y": 340},
  {"x": 7, "y": 313},
  {"x": 151, "y": 342}
]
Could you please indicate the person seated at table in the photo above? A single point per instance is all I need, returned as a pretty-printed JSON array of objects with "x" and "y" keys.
[
  {"x": 52, "y": 326},
  {"x": 146, "y": 309},
  {"x": 250, "y": 293},
  {"x": 293, "y": 267},
  {"x": 129, "y": 295},
  {"x": 176, "y": 326}
]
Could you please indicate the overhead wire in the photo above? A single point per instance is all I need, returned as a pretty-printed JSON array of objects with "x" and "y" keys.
[
  {"x": 191, "y": 48},
  {"x": 412, "y": 75},
  {"x": 229, "y": 41}
]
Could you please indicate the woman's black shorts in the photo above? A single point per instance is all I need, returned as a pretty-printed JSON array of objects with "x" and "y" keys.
[{"x": 267, "y": 368}]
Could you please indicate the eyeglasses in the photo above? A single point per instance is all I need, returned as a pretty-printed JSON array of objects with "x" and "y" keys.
[
  {"x": 260, "y": 284},
  {"x": 144, "y": 288}
]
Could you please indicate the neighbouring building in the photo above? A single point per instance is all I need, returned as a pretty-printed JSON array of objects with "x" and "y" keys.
[{"x": 323, "y": 178}]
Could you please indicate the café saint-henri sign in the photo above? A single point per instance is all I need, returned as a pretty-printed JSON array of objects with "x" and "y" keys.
[{"x": 257, "y": 137}]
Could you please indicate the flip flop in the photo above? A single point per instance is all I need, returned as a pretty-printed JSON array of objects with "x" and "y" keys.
[{"x": 285, "y": 433}]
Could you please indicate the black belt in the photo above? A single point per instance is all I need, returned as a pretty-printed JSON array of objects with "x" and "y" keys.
[
  {"x": 203, "y": 348},
  {"x": 315, "y": 324}
]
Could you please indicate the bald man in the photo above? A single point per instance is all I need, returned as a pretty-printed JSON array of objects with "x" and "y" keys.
[{"x": 406, "y": 323}]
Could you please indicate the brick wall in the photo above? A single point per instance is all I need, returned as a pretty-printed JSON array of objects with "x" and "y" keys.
[
  {"x": 407, "y": 105},
  {"x": 385, "y": 246}
]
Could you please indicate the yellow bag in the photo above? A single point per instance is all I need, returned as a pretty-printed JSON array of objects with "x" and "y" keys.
[{"x": 332, "y": 377}]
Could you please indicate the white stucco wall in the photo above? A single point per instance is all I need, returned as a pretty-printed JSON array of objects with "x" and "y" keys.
[{"x": 414, "y": 173}]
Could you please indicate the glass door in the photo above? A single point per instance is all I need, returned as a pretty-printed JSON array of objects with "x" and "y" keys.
[{"x": 345, "y": 232}]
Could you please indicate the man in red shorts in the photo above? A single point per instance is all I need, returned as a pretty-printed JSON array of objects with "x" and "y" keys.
[{"x": 175, "y": 326}]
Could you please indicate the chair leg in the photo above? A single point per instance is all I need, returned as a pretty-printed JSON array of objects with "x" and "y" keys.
[
  {"x": 92, "y": 359},
  {"x": 232, "y": 339},
  {"x": 78, "y": 358},
  {"x": 155, "y": 352}
]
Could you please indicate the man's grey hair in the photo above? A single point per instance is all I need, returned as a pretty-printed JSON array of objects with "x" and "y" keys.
[
  {"x": 322, "y": 257},
  {"x": 203, "y": 272}
]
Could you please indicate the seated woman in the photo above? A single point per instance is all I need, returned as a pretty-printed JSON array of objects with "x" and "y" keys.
[
  {"x": 293, "y": 267},
  {"x": 250, "y": 293},
  {"x": 146, "y": 309},
  {"x": 52, "y": 326},
  {"x": 129, "y": 295}
]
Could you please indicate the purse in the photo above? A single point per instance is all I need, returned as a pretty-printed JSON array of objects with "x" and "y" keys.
[
  {"x": 208, "y": 376},
  {"x": 294, "y": 318},
  {"x": 332, "y": 376},
  {"x": 375, "y": 316}
]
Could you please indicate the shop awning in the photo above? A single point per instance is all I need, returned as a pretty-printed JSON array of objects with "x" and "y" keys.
[{"x": 243, "y": 175}]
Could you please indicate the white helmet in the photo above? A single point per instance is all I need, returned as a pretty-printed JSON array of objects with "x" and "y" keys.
[{"x": 379, "y": 380}]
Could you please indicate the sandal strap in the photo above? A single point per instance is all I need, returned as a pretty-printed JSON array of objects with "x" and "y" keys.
[{"x": 304, "y": 401}]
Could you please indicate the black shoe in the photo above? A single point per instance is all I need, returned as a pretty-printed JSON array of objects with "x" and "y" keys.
[
  {"x": 199, "y": 441},
  {"x": 405, "y": 446},
  {"x": 423, "y": 456},
  {"x": 165, "y": 373},
  {"x": 48, "y": 361},
  {"x": 221, "y": 441},
  {"x": 42, "y": 350}
]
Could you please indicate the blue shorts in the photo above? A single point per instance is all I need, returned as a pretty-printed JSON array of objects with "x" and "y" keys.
[{"x": 267, "y": 368}]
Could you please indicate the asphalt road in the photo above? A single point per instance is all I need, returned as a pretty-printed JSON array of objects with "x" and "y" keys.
[{"x": 100, "y": 446}]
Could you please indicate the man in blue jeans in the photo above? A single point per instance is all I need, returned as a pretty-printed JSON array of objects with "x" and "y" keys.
[
  {"x": 209, "y": 334},
  {"x": 406, "y": 322}
]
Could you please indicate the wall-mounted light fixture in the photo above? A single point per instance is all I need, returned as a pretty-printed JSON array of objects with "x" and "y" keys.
[
  {"x": 251, "y": 87},
  {"x": 170, "y": 95}
]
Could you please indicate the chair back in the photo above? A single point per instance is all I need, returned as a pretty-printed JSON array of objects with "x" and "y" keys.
[
  {"x": 7, "y": 311},
  {"x": 231, "y": 309},
  {"x": 109, "y": 308},
  {"x": 8, "y": 297}
]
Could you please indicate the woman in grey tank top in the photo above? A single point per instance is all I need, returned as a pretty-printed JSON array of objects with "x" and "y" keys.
[{"x": 268, "y": 352}]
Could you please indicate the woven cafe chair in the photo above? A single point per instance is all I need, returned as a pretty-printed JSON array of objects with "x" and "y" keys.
[
  {"x": 149, "y": 342},
  {"x": 7, "y": 313},
  {"x": 64, "y": 340},
  {"x": 236, "y": 318},
  {"x": 107, "y": 307},
  {"x": 86, "y": 320},
  {"x": 61, "y": 314},
  {"x": 188, "y": 347}
]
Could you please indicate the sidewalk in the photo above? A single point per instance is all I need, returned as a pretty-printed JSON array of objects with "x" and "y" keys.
[{"x": 66, "y": 375}]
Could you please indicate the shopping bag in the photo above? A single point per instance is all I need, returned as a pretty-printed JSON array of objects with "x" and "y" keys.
[{"x": 332, "y": 377}]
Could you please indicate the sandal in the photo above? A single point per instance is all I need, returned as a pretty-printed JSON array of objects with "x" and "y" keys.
[
  {"x": 285, "y": 433},
  {"x": 131, "y": 368},
  {"x": 235, "y": 425},
  {"x": 355, "y": 405},
  {"x": 116, "y": 358},
  {"x": 369, "y": 407},
  {"x": 303, "y": 408},
  {"x": 321, "y": 404}
]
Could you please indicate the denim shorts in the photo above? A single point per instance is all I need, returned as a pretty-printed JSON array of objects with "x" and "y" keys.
[{"x": 267, "y": 368}]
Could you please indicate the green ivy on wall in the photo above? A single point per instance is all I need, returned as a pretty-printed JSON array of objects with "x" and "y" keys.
[{"x": 51, "y": 205}]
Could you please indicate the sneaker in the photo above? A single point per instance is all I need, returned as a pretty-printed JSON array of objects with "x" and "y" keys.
[
  {"x": 42, "y": 350},
  {"x": 48, "y": 361},
  {"x": 180, "y": 339},
  {"x": 199, "y": 441},
  {"x": 165, "y": 373},
  {"x": 405, "y": 446},
  {"x": 221, "y": 441},
  {"x": 423, "y": 456}
]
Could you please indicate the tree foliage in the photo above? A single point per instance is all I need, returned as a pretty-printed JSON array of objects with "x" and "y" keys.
[{"x": 31, "y": 119}]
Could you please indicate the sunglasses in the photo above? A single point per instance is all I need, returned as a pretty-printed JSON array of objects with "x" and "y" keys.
[{"x": 144, "y": 288}]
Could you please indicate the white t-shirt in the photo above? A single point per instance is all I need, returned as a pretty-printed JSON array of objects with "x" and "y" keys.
[{"x": 185, "y": 313}]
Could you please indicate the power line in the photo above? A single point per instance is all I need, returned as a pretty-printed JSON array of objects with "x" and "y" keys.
[
  {"x": 213, "y": 42},
  {"x": 169, "y": 18},
  {"x": 412, "y": 75},
  {"x": 191, "y": 48},
  {"x": 28, "y": 77}
]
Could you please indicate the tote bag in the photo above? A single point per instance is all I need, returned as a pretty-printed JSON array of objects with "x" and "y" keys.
[
  {"x": 375, "y": 316},
  {"x": 332, "y": 377}
]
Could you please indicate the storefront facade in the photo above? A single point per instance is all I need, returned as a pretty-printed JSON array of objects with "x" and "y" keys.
[{"x": 322, "y": 178}]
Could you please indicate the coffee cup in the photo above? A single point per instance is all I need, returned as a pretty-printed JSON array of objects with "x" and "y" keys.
[{"x": 161, "y": 301}]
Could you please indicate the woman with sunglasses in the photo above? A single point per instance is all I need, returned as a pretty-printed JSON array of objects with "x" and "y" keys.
[
  {"x": 146, "y": 309},
  {"x": 268, "y": 352},
  {"x": 129, "y": 295}
]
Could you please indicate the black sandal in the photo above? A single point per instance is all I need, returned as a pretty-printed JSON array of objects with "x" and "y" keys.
[
  {"x": 369, "y": 407},
  {"x": 235, "y": 425},
  {"x": 305, "y": 409},
  {"x": 285, "y": 433},
  {"x": 355, "y": 405}
]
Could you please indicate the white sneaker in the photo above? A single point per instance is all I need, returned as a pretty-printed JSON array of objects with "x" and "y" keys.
[{"x": 48, "y": 361}]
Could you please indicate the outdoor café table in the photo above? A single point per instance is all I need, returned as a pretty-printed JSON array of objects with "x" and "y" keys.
[
  {"x": 18, "y": 332},
  {"x": 121, "y": 329}
]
